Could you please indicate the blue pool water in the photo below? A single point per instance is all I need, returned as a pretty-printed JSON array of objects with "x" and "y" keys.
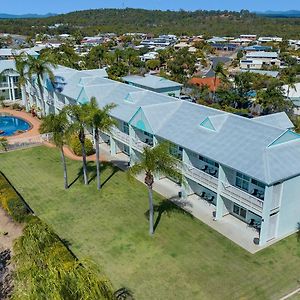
[{"x": 10, "y": 125}]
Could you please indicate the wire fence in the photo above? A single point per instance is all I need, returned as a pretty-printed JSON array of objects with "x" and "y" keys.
[{"x": 16, "y": 143}]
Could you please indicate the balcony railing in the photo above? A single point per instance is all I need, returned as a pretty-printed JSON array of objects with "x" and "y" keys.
[
  {"x": 60, "y": 105},
  {"x": 3, "y": 85},
  {"x": 50, "y": 100},
  {"x": 242, "y": 197},
  {"x": 200, "y": 176},
  {"x": 139, "y": 145},
  {"x": 121, "y": 136}
]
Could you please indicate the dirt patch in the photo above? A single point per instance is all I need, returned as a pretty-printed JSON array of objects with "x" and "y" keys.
[{"x": 9, "y": 232}]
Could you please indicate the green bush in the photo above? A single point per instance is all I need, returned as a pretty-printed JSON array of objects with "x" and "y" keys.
[
  {"x": 11, "y": 202},
  {"x": 16, "y": 106},
  {"x": 17, "y": 209},
  {"x": 48, "y": 270},
  {"x": 75, "y": 145}
]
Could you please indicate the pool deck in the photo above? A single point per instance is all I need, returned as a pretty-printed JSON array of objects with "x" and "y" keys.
[
  {"x": 34, "y": 131},
  {"x": 34, "y": 122}
]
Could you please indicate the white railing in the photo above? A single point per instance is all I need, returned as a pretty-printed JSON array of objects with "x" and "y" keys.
[
  {"x": 200, "y": 176},
  {"x": 60, "y": 105},
  {"x": 15, "y": 143},
  {"x": 50, "y": 100},
  {"x": 139, "y": 145},
  {"x": 119, "y": 135},
  {"x": 3, "y": 84},
  {"x": 33, "y": 91},
  {"x": 242, "y": 197}
]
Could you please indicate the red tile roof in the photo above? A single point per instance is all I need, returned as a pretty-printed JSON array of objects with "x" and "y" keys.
[{"x": 209, "y": 81}]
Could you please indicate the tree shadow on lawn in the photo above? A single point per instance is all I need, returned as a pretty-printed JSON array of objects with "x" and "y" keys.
[
  {"x": 92, "y": 172},
  {"x": 169, "y": 207}
]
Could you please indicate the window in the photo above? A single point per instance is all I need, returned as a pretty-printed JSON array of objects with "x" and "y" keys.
[
  {"x": 242, "y": 181},
  {"x": 209, "y": 161},
  {"x": 126, "y": 128},
  {"x": 240, "y": 211},
  {"x": 258, "y": 183},
  {"x": 148, "y": 134}
]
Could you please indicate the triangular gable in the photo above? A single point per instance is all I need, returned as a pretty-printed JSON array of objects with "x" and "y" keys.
[
  {"x": 207, "y": 124},
  {"x": 129, "y": 98},
  {"x": 287, "y": 136},
  {"x": 82, "y": 98},
  {"x": 140, "y": 121}
]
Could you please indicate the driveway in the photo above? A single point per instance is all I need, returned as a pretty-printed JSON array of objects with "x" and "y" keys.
[{"x": 215, "y": 60}]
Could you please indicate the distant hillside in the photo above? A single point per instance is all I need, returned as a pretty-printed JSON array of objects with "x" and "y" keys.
[
  {"x": 26, "y": 16},
  {"x": 281, "y": 14},
  {"x": 90, "y": 22}
]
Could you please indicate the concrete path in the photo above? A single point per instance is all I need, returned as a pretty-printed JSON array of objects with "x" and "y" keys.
[{"x": 297, "y": 291}]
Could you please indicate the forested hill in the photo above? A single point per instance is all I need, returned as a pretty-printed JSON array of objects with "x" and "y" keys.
[{"x": 137, "y": 20}]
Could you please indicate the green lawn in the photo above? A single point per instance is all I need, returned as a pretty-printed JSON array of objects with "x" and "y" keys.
[{"x": 185, "y": 259}]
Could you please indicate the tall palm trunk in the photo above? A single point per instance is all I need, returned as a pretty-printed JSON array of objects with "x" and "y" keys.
[
  {"x": 24, "y": 98},
  {"x": 149, "y": 179},
  {"x": 84, "y": 167},
  {"x": 96, "y": 138},
  {"x": 42, "y": 101},
  {"x": 63, "y": 159},
  {"x": 151, "y": 210}
]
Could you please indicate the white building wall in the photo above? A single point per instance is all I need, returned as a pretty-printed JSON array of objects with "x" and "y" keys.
[{"x": 289, "y": 215}]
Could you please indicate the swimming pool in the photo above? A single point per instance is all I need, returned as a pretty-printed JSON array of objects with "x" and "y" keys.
[{"x": 10, "y": 125}]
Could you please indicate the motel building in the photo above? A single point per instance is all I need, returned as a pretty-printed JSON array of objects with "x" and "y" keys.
[{"x": 239, "y": 171}]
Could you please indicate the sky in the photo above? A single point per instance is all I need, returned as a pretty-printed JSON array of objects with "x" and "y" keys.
[{"x": 63, "y": 6}]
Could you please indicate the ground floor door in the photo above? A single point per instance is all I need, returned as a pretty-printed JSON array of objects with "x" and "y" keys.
[{"x": 239, "y": 211}]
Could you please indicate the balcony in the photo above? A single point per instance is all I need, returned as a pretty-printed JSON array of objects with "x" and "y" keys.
[
  {"x": 240, "y": 197},
  {"x": 32, "y": 91},
  {"x": 201, "y": 177},
  {"x": 121, "y": 136},
  {"x": 59, "y": 105},
  {"x": 3, "y": 85},
  {"x": 139, "y": 145},
  {"x": 50, "y": 100}
]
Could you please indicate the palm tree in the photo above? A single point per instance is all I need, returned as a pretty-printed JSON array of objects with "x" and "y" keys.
[
  {"x": 79, "y": 115},
  {"x": 100, "y": 120},
  {"x": 22, "y": 69},
  {"x": 59, "y": 126},
  {"x": 155, "y": 161},
  {"x": 41, "y": 68},
  {"x": 290, "y": 81},
  {"x": 218, "y": 70}
]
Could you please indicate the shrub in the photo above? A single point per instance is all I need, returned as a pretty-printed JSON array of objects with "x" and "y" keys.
[
  {"x": 48, "y": 270},
  {"x": 16, "y": 106},
  {"x": 12, "y": 203},
  {"x": 75, "y": 145}
]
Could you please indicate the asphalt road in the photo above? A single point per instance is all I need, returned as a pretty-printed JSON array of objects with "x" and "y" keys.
[{"x": 215, "y": 60}]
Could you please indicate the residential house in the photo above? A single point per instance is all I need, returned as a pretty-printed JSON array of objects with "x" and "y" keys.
[
  {"x": 293, "y": 94},
  {"x": 149, "y": 56},
  {"x": 269, "y": 39},
  {"x": 251, "y": 37},
  {"x": 259, "y": 59},
  {"x": 211, "y": 82}
]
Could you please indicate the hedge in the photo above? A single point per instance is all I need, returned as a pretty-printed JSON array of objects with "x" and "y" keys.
[{"x": 11, "y": 202}]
